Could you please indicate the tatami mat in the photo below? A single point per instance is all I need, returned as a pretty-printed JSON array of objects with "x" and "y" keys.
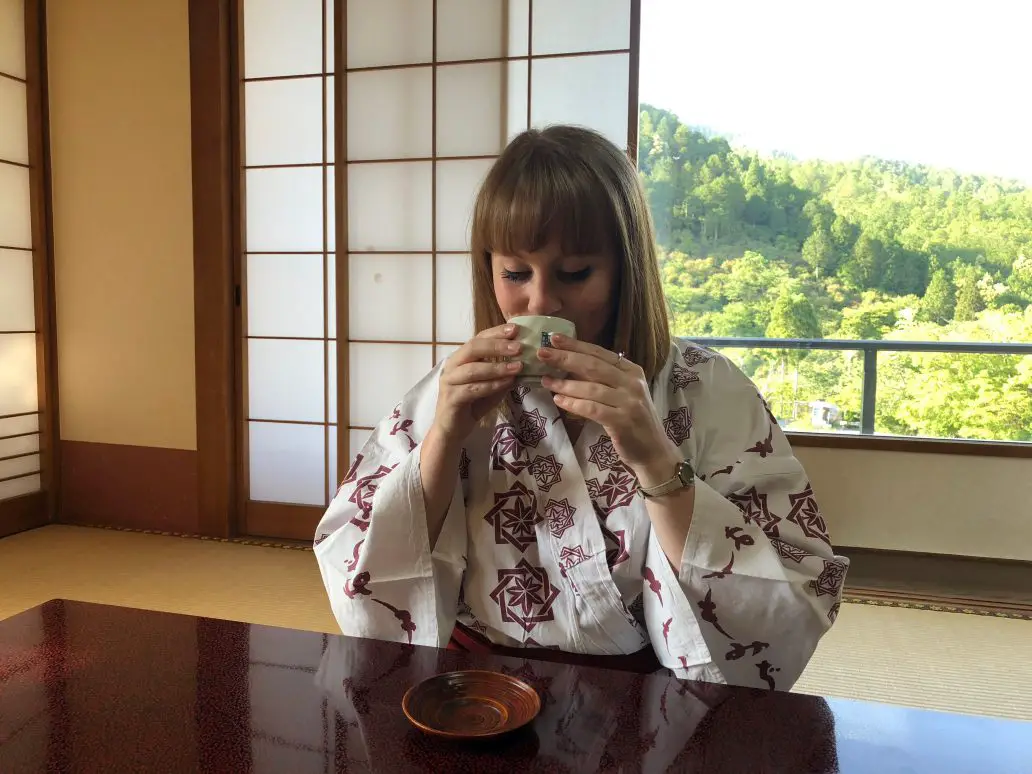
[{"x": 946, "y": 661}]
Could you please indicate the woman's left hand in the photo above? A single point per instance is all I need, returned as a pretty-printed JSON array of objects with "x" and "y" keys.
[{"x": 606, "y": 388}]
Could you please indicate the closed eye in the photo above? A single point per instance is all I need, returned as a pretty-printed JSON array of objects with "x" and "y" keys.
[
  {"x": 575, "y": 276},
  {"x": 564, "y": 276},
  {"x": 515, "y": 276}
]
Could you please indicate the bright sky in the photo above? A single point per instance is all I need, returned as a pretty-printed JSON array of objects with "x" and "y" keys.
[{"x": 946, "y": 83}]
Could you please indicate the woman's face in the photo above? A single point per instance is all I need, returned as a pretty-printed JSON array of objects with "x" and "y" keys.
[{"x": 578, "y": 288}]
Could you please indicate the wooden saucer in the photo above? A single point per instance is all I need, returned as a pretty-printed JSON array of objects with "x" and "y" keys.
[{"x": 470, "y": 704}]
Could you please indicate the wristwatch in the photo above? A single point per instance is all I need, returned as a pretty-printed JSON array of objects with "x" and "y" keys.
[{"x": 684, "y": 478}]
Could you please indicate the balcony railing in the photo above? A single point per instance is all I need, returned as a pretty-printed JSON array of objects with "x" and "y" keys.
[{"x": 870, "y": 350}]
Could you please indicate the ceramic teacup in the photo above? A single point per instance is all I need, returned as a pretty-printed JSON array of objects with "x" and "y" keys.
[{"x": 535, "y": 332}]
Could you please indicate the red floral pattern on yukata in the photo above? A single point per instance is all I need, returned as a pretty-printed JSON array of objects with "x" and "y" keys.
[
  {"x": 531, "y": 428},
  {"x": 359, "y": 585},
  {"x": 603, "y": 456},
  {"x": 617, "y": 491},
  {"x": 560, "y": 516},
  {"x": 695, "y": 355},
  {"x": 788, "y": 551},
  {"x": 365, "y": 488},
  {"x": 767, "y": 671},
  {"x": 525, "y": 595},
  {"x": 571, "y": 556},
  {"x": 708, "y": 613},
  {"x": 514, "y": 516},
  {"x": 723, "y": 572},
  {"x": 739, "y": 536},
  {"x": 352, "y": 474},
  {"x": 753, "y": 505},
  {"x": 739, "y": 650},
  {"x": 806, "y": 514},
  {"x": 680, "y": 377},
  {"x": 404, "y": 617},
  {"x": 616, "y": 546},
  {"x": 507, "y": 453},
  {"x": 766, "y": 407},
  {"x": 519, "y": 392},
  {"x": 833, "y": 612},
  {"x": 678, "y": 425},
  {"x": 355, "y": 552},
  {"x": 830, "y": 580},
  {"x": 655, "y": 586},
  {"x": 764, "y": 447},
  {"x": 404, "y": 427},
  {"x": 466, "y": 610},
  {"x": 547, "y": 471}
]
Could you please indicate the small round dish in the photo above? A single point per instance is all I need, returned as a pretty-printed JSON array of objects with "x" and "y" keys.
[{"x": 470, "y": 704}]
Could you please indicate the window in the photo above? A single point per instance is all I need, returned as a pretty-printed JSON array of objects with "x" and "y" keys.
[
  {"x": 370, "y": 125},
  {"x": 287, "y": 318},
  {"x": 25, "y": 422},
  {"x": 853, "y": 181}
]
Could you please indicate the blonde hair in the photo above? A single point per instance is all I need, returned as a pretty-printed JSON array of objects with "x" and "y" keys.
[{"x": 572, "y": 185}]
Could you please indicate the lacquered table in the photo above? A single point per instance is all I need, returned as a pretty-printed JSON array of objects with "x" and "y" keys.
[{"x": 92, "y": 688}]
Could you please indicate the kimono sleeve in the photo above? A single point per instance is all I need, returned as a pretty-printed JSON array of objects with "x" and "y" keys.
[
  {"x": 758, "y": 579},
  {"x": 372, "y": 545}
]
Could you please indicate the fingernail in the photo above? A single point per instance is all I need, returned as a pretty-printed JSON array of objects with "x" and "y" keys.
[
  {"x": 558, "y": 338},
  {"x": 513, "y": 347},
  {"x": 516, "y": 365},
  {"x": 510, "y": 328},
  {"x": 545, "y": 354}
]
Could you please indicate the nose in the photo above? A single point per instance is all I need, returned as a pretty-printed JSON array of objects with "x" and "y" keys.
[{"x": 542, "y": 298}]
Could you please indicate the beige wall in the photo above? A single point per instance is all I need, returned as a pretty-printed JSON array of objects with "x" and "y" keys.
[
  {"x": 934, "y": 503},
  {"x": 123, "y": 251}
]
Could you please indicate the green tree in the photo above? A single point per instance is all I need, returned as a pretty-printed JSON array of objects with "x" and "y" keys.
[
  {"x": 865, "y": 267},
  {"x": 843, "y": 235},
  {"x": 873, "y": 318},
  {"x": 819, "y": 252},
  {"x": 939, "y": 299},
  {"x": 1020, "y": 280},
  {"x": 738, "y": 319},
  {"x": 793, "y": 317},
  {"x": 969, "y": 299},
  {"x": 743, "y": 243}
]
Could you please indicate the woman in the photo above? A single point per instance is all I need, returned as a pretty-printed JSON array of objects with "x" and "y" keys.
[{"x": 646, "y": 503}]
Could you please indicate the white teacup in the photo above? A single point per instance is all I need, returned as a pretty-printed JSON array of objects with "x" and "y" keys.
[{"x": 535, "y": 332}]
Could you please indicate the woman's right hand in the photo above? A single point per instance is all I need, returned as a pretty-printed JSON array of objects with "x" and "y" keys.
[{"x": 471, "y": 385}]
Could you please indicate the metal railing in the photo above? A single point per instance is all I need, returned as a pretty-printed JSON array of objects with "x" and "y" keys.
[{"x": 870, "y": 350}]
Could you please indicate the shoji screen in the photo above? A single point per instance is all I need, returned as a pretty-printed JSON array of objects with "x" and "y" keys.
[
  {"x": 434, "y": 92},
  {"x": 287, "y": 271},
  {"x": 22, "y": 261},
  {"x": 429, "y": 92}
]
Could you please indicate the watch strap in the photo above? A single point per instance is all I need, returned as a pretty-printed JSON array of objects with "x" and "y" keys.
[{"x": 684, "y": 477}]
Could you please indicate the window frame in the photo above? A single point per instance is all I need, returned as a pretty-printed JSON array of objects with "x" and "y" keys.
[
  {"x": 872, "y": 441},
  {"x": 38, "y": 508},
  {"x": 214, "y": 40}
]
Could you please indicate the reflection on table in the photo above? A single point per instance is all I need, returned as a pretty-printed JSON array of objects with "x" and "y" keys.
[{"x": 94, "y": 688}]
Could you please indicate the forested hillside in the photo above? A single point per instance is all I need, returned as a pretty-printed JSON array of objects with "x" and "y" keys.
[{"x": 867, "y": 249}]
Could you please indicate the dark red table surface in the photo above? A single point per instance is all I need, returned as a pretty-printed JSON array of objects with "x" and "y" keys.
[{"x": 92, "y": 688}]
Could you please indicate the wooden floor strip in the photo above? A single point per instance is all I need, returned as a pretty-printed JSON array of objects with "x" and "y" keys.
[{"x": 901, "y": 598}]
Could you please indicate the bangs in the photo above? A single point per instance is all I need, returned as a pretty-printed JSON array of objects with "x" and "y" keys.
[{"x": 538, "y": 195}]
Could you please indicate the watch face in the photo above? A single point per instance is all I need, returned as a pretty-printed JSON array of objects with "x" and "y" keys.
[{"x": 686, "y": 474}]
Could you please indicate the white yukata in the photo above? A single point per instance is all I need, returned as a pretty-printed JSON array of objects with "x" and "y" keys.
[{"x": 548, "y": 544}]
